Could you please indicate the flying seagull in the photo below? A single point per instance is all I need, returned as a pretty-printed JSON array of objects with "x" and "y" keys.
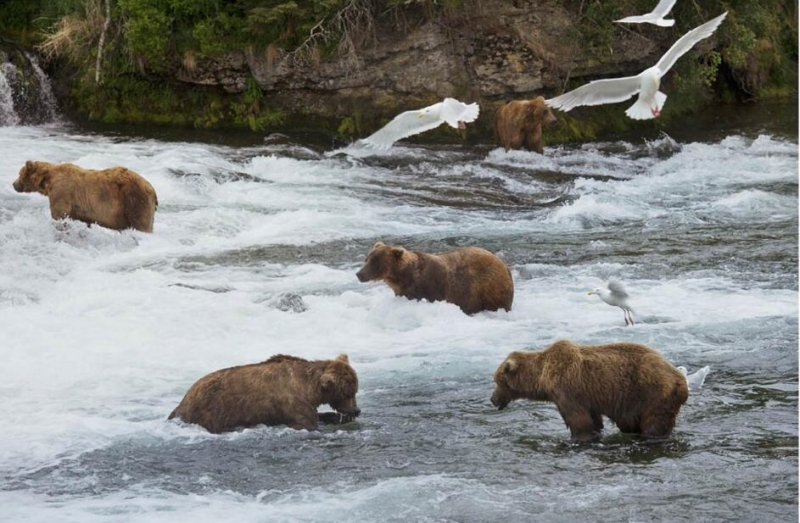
[
  {"x": 409, "y": 123},
  {"x": 655, "y": 17},
  {"x": 646, "y": 83},
  {"x": 615, "y": 295},
  {"x": 695, "y": 380}
]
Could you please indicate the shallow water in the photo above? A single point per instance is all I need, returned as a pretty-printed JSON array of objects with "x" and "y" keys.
[{"x": 103, "y": 331}]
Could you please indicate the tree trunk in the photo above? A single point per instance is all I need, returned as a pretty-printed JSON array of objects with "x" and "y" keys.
[{"x": 102, "y": 42}]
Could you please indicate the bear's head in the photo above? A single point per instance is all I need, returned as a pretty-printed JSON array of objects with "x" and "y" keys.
[
  {"x": 339, "y": 384},
  {"x": 381, "y": 259},
  {"x": 509, "y": 381},
  {"x": 541, "y": 113},
  {"x": 31, "y": 178}
]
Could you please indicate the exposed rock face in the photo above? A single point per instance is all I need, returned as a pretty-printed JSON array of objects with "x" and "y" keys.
[
  {"x": 508, "y": 49},
  {"x": 229, "y": 72}
]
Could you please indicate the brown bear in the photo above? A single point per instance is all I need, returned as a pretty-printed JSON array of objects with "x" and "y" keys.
[
  {"x": 472, "y": 278},
  {"x": 518, "y": 124},
  {"x": 116, "y": 198},
  {"x": 629, "y": 383},
  {"x": 284, "y": 390}
]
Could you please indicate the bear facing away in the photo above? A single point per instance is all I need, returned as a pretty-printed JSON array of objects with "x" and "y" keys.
[
  {"x": 116, "y": 198},
  {"x": 284, "y": 390},
  {"x": 630, "y": 383},
  {"x": 518, "y": 124},
  {"x": 472, "y": 278}
]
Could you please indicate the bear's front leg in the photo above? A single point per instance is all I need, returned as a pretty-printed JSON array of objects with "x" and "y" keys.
[
  {"x": 533, "y": 140},
  {"x": 597, "y": 422},
  {"x": 581, "y": 422},
  {"x": 304, "y": 420},
  {"x": 59, "y": 210}
]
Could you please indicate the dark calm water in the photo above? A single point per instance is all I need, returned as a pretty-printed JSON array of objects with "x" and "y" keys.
[{"x": 103, "y": 332}]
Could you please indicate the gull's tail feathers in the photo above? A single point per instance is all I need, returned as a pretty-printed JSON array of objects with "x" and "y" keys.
[{"x": 641, "y": 110}]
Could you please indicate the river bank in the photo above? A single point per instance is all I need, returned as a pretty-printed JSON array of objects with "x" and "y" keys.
[{"x": 206, "y": 67}]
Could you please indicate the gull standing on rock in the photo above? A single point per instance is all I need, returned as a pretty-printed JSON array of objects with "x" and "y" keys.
[
  {"x": 655, "y": 17},
  {"x": 449, "y": 111},
  {"x": 616, "y": 296},
  {"x": 646, "y": 84}
]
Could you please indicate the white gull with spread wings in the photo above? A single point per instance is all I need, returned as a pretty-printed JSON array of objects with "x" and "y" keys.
[
  {"x": 646, "y": 84},
  {"x": 449, "y": 111},
  {"x": 655, "y": 17}
]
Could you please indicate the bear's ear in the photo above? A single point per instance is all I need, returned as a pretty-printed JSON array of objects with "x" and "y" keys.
[
  {"x": 510, "y": 366},
  {"x": 379, "y": 244},
  {"x": 29, "y": 165},
  {"x": 343, "y": 358},
  {"x": 397, "y": 252}
]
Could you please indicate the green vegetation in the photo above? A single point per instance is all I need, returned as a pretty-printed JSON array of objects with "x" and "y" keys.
[{"x": 148, "y": 41}]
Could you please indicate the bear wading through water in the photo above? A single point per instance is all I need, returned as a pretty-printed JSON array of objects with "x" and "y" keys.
[
  {"x": 115, "y": 198},
  {"x": 283, "y": 390},
  {"x": 518, "y": 124},
  {"x": 630, "y": 383},
  {"x": 472, "y": 278}
]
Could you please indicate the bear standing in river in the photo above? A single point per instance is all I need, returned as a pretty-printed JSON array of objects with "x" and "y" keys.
[
  {"x": 116, "y": 198},
  {"x": 518, "y": 124},
  {"x": 472, "y": 278},
  {"x": 284, "y": 390},
  {"x": 631, "y": 384}
]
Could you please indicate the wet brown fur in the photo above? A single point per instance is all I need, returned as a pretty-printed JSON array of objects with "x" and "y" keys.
[
  {"x": 630, "y": 383},
  {"x": 472, "y": 278},
  {"x": 283, "y": 390},
  {"x": 518, "y": 124},
  {"x": 116, "y": 198}
]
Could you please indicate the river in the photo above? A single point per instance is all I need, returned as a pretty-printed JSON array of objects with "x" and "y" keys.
[{"x": 103, "y": 332}]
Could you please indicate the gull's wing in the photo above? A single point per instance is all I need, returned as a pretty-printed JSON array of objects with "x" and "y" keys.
[
  {"x": 639, "y": 19},
  {"x": 663, "y": 7},
  {"x": 454, "y": 111},
  {"x": 598, "y": 92},
  {"x": 688, "y": 41},
  {"x": 696, "y": 379},
  {"x": 404, "y": 125},
  {"x": 617, "y": 289},
  {"x": 655, "y": 17}
]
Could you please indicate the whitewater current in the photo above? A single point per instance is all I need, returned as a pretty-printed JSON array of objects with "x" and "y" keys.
[{"x": 104, "y": 331}]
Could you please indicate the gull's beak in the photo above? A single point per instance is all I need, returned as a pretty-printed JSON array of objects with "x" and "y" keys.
[
  {"x": 421, "y": 114},
  {"x": 590, "y": 293}
]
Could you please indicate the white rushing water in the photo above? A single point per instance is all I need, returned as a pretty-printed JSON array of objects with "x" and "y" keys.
[
  {"x": 8, "y": 116},
  {"x": 103, "y": 331}
]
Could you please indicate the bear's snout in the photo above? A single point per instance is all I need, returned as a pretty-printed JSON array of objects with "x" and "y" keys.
[
  {"x": 361, "y": 276},
  {"x": 356, "y": 412},
  {"x": 499, "y": 402},
  {"x": 17, "y": 186}
]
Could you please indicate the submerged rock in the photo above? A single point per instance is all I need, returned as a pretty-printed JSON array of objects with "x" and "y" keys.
[{"x": 289, "y": 302}]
